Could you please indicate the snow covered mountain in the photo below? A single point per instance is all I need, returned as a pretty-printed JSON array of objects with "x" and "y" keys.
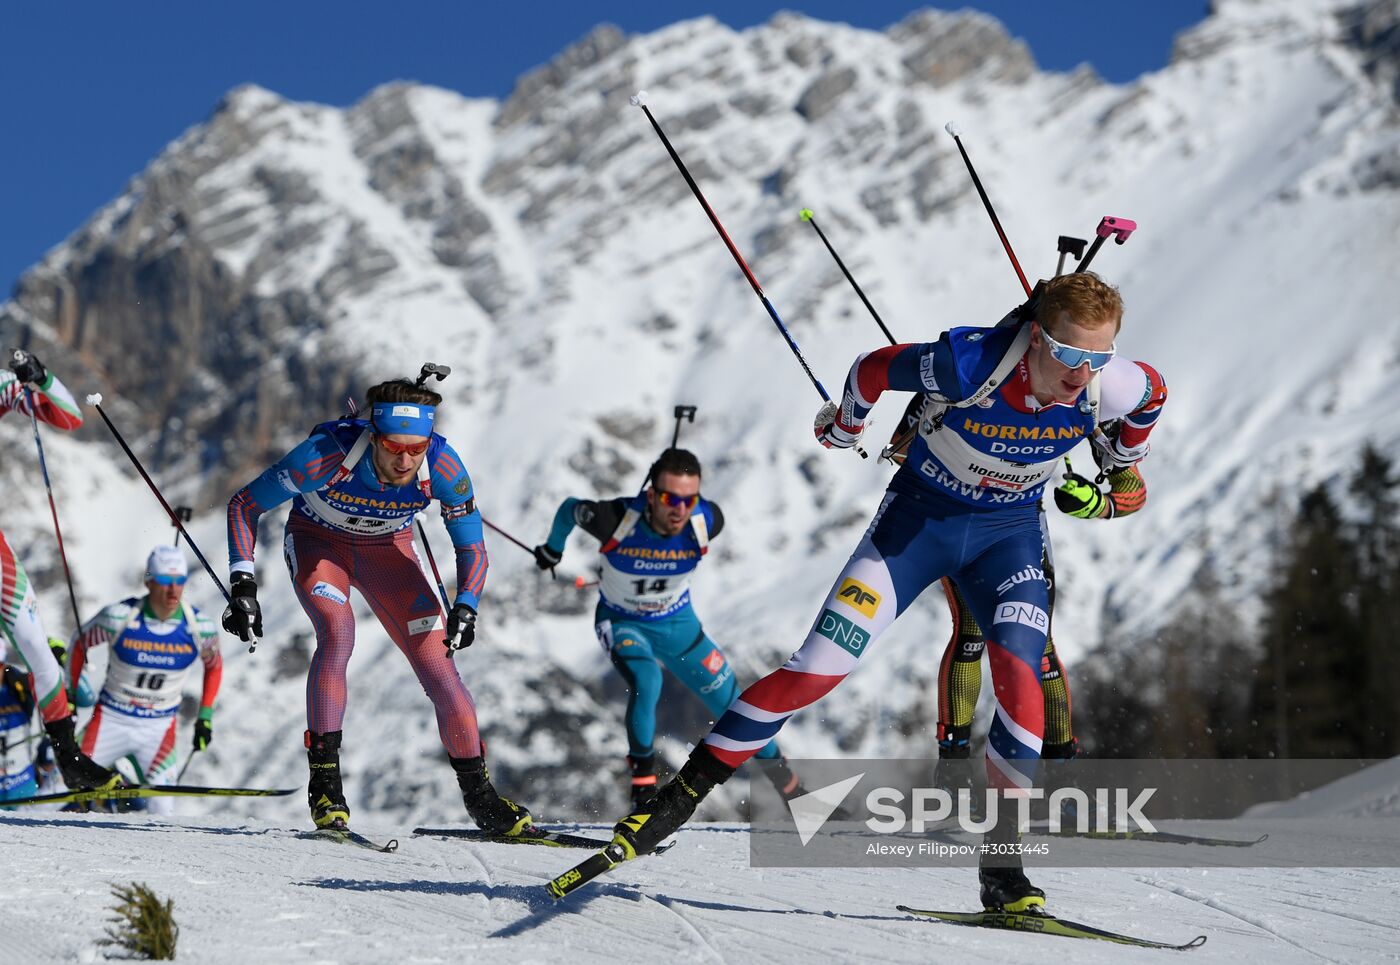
[{"x": 281, "y": 255}]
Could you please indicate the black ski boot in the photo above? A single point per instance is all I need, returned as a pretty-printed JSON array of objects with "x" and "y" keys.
[
  {"x": 789, "y": 785},
  {"x": 643, "y": 778},
  {"x": 661, "y": 816},
  {"x": 323, "y": 791},
  {"x": 784, "y": 778},
  {"x": 1057, "y": 774},
  {"x": 490, "y": 811},
  {"x": 80, "y": 772},
  {"x": 955, "y": 769},
  {"x": 1002, "y": 877}
]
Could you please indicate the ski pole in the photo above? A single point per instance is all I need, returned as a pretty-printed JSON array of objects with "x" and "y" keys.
[
  {"x": 53, "y": 508},
  {"x": 95, "y": 400},
  {"x": 578, "y": 581},
  {"x": 952, "y": 129},
  {"x": 185, "y": 767},
  {"x": 442, "y": 590},
  {"x": 440, "y": 372},
  {"x": 806, "y": 215},
  {"x": 639, "y": 100},
  {"x": 902, "y": 440},
  {"x": 684, "y": 413},
  {"x": 507, "y": 536}
]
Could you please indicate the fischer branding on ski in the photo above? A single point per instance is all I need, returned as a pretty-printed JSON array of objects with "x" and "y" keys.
[
  {"x": 1044, "y": 925},
  {"x": 588, "y": 869},
  {"x": 608, "y": 858},
  {"x": 125, "y": 793}
]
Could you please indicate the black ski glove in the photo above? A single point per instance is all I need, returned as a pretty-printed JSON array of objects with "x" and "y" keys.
[
  {"x": 203, "y": 732},
  {"x": 546, "y": 558},
  {"x": 243, "y": 616},
  {"x": 27, "y": 368},
  {"x": 461, "y": 627}
]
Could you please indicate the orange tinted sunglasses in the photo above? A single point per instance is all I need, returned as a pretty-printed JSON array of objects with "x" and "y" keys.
[
  {"x": 398, "y": 448},
  {"x": 671, "y": 500}
]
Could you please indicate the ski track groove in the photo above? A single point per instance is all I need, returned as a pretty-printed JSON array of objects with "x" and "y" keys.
[
  {"x": 1375, "y": 922},
  {"x": 689, "y": 925},
  {"x": 1214, "y": 903}
]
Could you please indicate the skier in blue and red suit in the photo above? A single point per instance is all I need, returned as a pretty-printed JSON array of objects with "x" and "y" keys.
[
  {"x": 356, "y": 486},
  {"x": 1004, "y": 405}
]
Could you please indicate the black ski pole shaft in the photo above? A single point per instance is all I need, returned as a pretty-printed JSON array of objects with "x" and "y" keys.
[
  {"x": 904, "y": 439},
  {"x": 502, "y": 532},
  {"x": 987, "y": 203},
  {"x": 185, "y": 767},
  {"x": 639, "y": 100},
  {"x": 807, "y": 216},
  {"x": 683, "y": 413},
  {"x": 528, "y": 549},
  {"x": 53, "y": 508},
  {"x": 95, "y": 400},
  {"x": 442, "y": 590}
]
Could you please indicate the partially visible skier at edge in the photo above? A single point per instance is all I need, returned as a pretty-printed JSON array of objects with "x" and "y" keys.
[
  {"x": 962, "y": 505},
  {"x": 51, "y": 403},
  {"x": 356, "y": 486}
]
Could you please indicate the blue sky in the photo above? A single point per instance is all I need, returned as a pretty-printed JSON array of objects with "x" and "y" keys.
[{"x": 90, "y": 92}]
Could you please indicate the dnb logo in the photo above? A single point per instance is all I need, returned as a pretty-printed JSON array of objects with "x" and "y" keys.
[
  {"x": 714, "y": 662},
  {"x": 859, "y": 597},
  {"x": 843, "y": 632},
  {"x": 1031, "y": 616}
]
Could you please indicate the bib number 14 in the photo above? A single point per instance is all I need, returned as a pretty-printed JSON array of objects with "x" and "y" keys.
[{"x": 654, "y": 586}]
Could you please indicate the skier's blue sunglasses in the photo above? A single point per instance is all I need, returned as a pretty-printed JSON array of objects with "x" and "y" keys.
[
  {"x": 1071, "y": 357},
  {"x": 165, "y": 579}
]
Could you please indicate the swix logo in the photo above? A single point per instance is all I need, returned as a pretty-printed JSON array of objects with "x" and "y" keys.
[
  {"x": 1029, "y": 573},
  {"x": 859, "y": 597}
]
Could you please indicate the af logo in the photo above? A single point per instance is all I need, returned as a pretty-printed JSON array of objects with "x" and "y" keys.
[
  {"x": 858, "y": 597},
  {"x": 713, "y": 662}
]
